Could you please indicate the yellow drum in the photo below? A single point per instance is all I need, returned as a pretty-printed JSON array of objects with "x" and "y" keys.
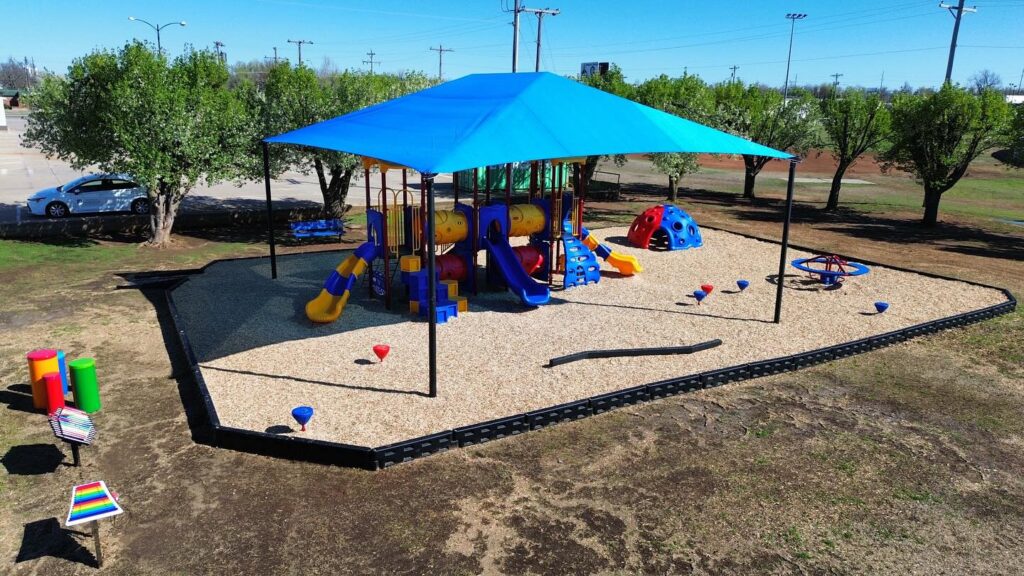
[
  {"x": 450, "y": 227},
  {"x": 525, "y": 219}
]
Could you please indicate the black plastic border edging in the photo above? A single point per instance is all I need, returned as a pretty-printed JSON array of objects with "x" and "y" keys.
[
  {"x": 280, "y": 446},
  {"x": 320, "y": 451},
  {"x": 631, "y": 352}
]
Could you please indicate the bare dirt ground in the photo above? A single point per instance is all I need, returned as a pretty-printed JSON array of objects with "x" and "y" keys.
[{"x": 903, "y": 460}]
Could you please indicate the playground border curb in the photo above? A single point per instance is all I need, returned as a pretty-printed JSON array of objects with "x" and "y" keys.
[{"x": 370, "y": 458}]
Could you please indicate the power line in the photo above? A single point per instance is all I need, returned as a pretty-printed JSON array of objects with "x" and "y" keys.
[
  {"x": 440, "y": 58},
  {"x": 371, "y": 61},
  {"x": 299, "y": 43},
  {"x": 958, "y": 13}
]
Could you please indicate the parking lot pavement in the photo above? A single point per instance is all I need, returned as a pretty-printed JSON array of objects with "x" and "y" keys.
[{"x": 24, "y": 171}]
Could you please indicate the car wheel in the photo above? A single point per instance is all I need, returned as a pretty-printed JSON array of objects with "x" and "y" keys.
[
  {"x": 56, "y": 210},
  {"x": 140, "y": 206}
]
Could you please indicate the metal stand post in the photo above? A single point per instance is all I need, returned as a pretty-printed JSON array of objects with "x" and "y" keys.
[
  {"x": 432, "y": 280},
  {"x": 270, "y": 211},
  {"x": 785, "y": 242}
]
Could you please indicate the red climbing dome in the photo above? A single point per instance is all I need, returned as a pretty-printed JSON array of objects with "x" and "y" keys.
[{"x": 644, "y": 226}]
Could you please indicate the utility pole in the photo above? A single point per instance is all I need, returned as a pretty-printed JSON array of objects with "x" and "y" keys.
[
  {"x": 298, "y": 43},
  {"x": 540, "y": 12},
  {"x": 217, "y": 44},
  {"x": 957, "y": 12},
  {"x": 515, "y": 36},
  {"x": 371, "y": 61},
  {"x": 1020, "y": 83},
  {"x": 734, "y": 68},
  {"x": 440, "y": 58},
  {"x": 275, "y": 55},
  {"x": 792, "y": 27},
  {"x": 835, "y": 80}
]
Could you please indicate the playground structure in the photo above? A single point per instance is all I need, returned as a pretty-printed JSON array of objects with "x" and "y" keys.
[
  {"x": 664, "y": 227},
  {"x": 829, "y": 268},
  {"x": 551, "y": 218}
]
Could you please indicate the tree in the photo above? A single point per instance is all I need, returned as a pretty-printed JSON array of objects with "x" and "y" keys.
[
  {"x": 854, "y": 123},
  {"x": 984, "y": 80},
  {"x": 16, "y": 75},
  {"x": 613, "y": 82},
  {"x": 937, "y": 136},
  {"x": 687, "y": 96},
  {"x": 675, "y": 165},
  {"x": 1017, "y": 137},
  {"x": 169, "y": 125},
  {"x": 296, "y": 97},
  {"x": 760, "y": 114}
]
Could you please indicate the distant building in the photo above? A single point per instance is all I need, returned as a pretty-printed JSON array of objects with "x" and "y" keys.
[{"x": 1015, "y": 99}]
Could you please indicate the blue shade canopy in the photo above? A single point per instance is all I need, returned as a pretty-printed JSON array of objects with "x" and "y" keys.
[{"x": 488, "y": 119}]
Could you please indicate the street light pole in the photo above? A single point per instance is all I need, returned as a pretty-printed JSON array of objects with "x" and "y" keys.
[
  {"x": 159, "y": 49},
  {"x": 792, "y": 27}
]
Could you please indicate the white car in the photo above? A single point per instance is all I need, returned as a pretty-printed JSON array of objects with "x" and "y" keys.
[{"x": 89, "y": 194}]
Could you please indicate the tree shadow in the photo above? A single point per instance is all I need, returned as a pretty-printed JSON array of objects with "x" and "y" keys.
[
  {"x": 946, "y": 236},
  {"x": 46, "y": 538},
  {"x": 32, "y": 459}
]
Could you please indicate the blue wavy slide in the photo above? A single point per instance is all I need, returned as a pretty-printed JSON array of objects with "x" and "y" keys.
[{"x": 531, "y": 292}]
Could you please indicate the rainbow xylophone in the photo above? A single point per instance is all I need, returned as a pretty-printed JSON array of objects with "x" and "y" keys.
[{"x": 90, "y": 502}]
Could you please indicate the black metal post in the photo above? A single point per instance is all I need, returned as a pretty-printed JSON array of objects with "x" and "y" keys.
[
  {"x": 75, "y": 457},
  {"x": 270, "y": 210},
  {"x": 785, "y": 242},
  {"x": 432, "y": 280}
]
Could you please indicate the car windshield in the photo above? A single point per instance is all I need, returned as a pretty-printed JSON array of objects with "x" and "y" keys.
[{"x": 75, "y": 182}]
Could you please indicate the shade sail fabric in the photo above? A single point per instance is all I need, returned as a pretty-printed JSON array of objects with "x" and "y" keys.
[{"x": 488, "y": 119}]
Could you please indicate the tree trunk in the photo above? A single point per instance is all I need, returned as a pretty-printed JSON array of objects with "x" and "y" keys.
[
  {"x": 335, "y": 191},
  {"x": 163, "y": 210},
  {"x": 748, "y": 183},
  {"x": 833, "y": 192},
  {"x": 931, "y": 207},
  {"x": 589, "y": 168},
  {"x": 751, "y": 169},
  {"x": 673, "y": 188}
]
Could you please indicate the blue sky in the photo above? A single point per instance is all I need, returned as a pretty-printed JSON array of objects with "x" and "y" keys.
[{"x": 908, "y": 40}]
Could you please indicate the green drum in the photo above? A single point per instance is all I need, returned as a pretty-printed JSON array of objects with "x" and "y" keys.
[{"x": 84, "y": 384}]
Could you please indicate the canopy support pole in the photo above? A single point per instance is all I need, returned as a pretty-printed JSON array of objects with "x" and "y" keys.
[
  {"x": 785, "y": 242},
  {"x": 432, "y": 282},
  {"x": 270, "y": 211}
]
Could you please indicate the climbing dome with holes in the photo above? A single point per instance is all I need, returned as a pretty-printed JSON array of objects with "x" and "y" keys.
[{"x": 665, "y": 227}]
